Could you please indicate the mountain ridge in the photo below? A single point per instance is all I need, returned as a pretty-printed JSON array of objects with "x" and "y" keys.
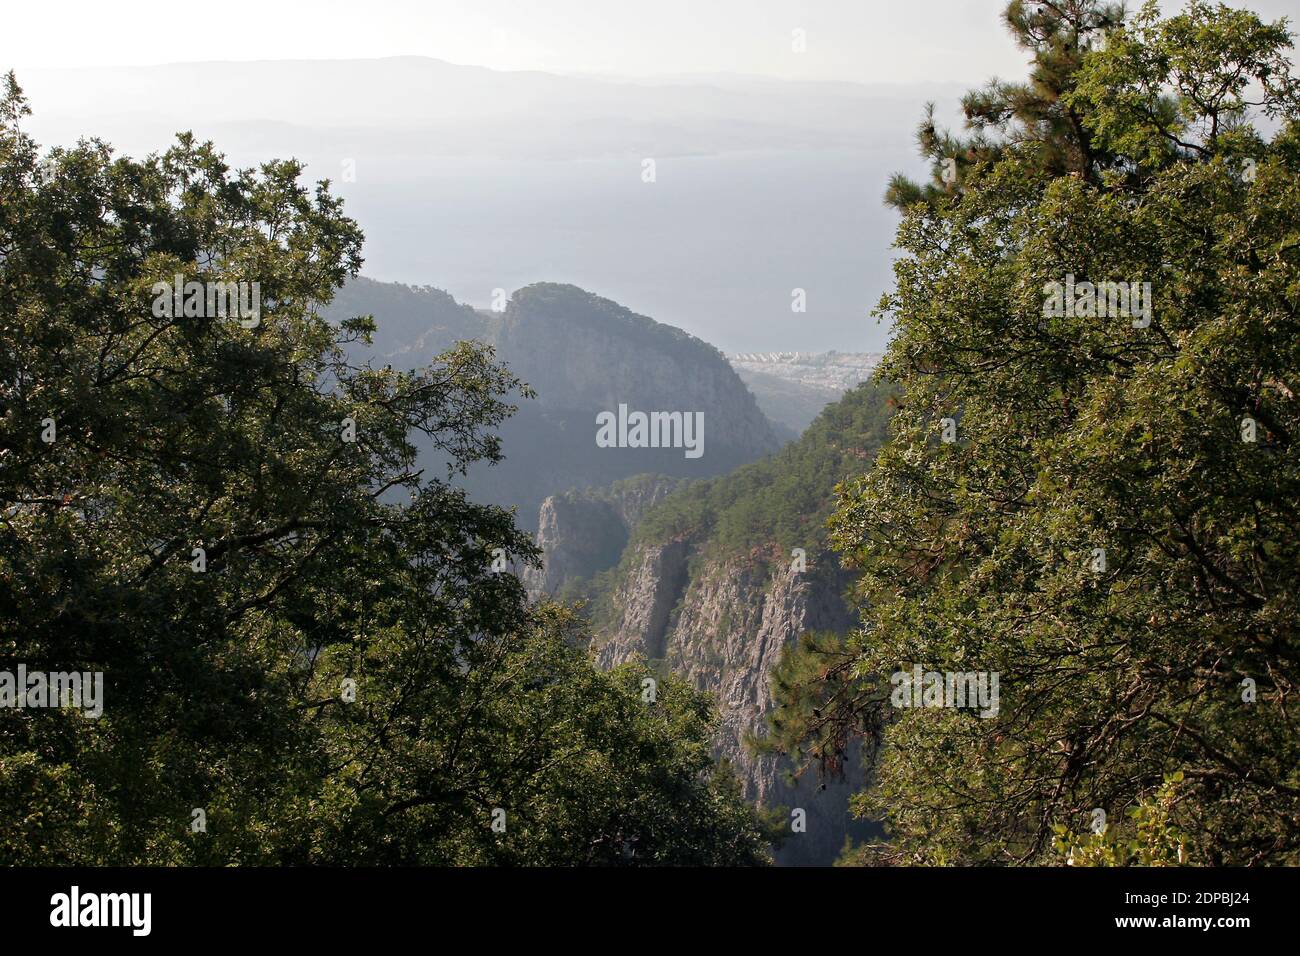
[{"x": 582, "y": 354}]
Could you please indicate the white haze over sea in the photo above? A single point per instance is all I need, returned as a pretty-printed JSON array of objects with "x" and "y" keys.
[{"x": 472, "y": 179}]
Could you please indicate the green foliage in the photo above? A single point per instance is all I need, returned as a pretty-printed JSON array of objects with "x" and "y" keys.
[
  {"x": 812, "y": 682},
  {"x": 585, "y": 768},
  {"x": 1184, "y": 88},
  {"x": 1011, "y": 116},
  {"x": 1150, "y": 837},
  {"x": 1077, "y": 433},
  {"x": 785, "y": 498},
  {"x": 329, "y": 563},
  {"x": 764, "y": 509}
]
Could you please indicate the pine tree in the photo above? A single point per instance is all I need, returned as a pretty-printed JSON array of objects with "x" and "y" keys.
[
  {"x": 1057, "y": 34},
  {"x": 1097, "y": 503}
]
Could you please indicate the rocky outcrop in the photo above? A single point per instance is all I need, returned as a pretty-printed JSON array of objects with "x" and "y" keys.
[
  {"x": 723, "y": 625},
  {"x": 589, "y": 354},
  {"x": 719, "y": 621},
  {"x": 582, "y": 533},
  {"x": 710, "y": 587},
  {"x": 645, "y": 601},
  {"x": 582, "y": 355}
]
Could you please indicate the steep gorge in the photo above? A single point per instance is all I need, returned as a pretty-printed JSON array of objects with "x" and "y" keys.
[
  {"x": 710, "y": 586},
  {"x": 688, "y": 563}
]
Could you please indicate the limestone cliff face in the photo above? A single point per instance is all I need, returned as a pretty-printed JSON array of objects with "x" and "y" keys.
[
  {"x": 584, "y": 532},
  {"x": 722, "y": 624},
  {"x": 588, "y": 354},
  {"x": 582, "y": 355},
  {"x": 707, "y": 588}
]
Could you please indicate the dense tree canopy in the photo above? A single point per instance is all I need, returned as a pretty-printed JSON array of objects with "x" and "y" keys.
[
  {"x": 308, "y": 652},
  {"x": 1097, "y": 504}
]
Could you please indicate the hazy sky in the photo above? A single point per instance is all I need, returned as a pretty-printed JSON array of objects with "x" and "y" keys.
[
  {"x": 859, "y": 40},
  {"x": 471, "y": 180}
]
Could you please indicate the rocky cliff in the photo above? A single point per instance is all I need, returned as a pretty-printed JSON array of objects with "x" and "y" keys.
[
  {"x": 690, "y": 571},
  {"x": 586, "y": 354},
  {"x": 582, "y": 355},
  {"x": 723, "y": 624},
  {"x": 582, "y": 533},
  {"x": 711, "y": 586}
]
